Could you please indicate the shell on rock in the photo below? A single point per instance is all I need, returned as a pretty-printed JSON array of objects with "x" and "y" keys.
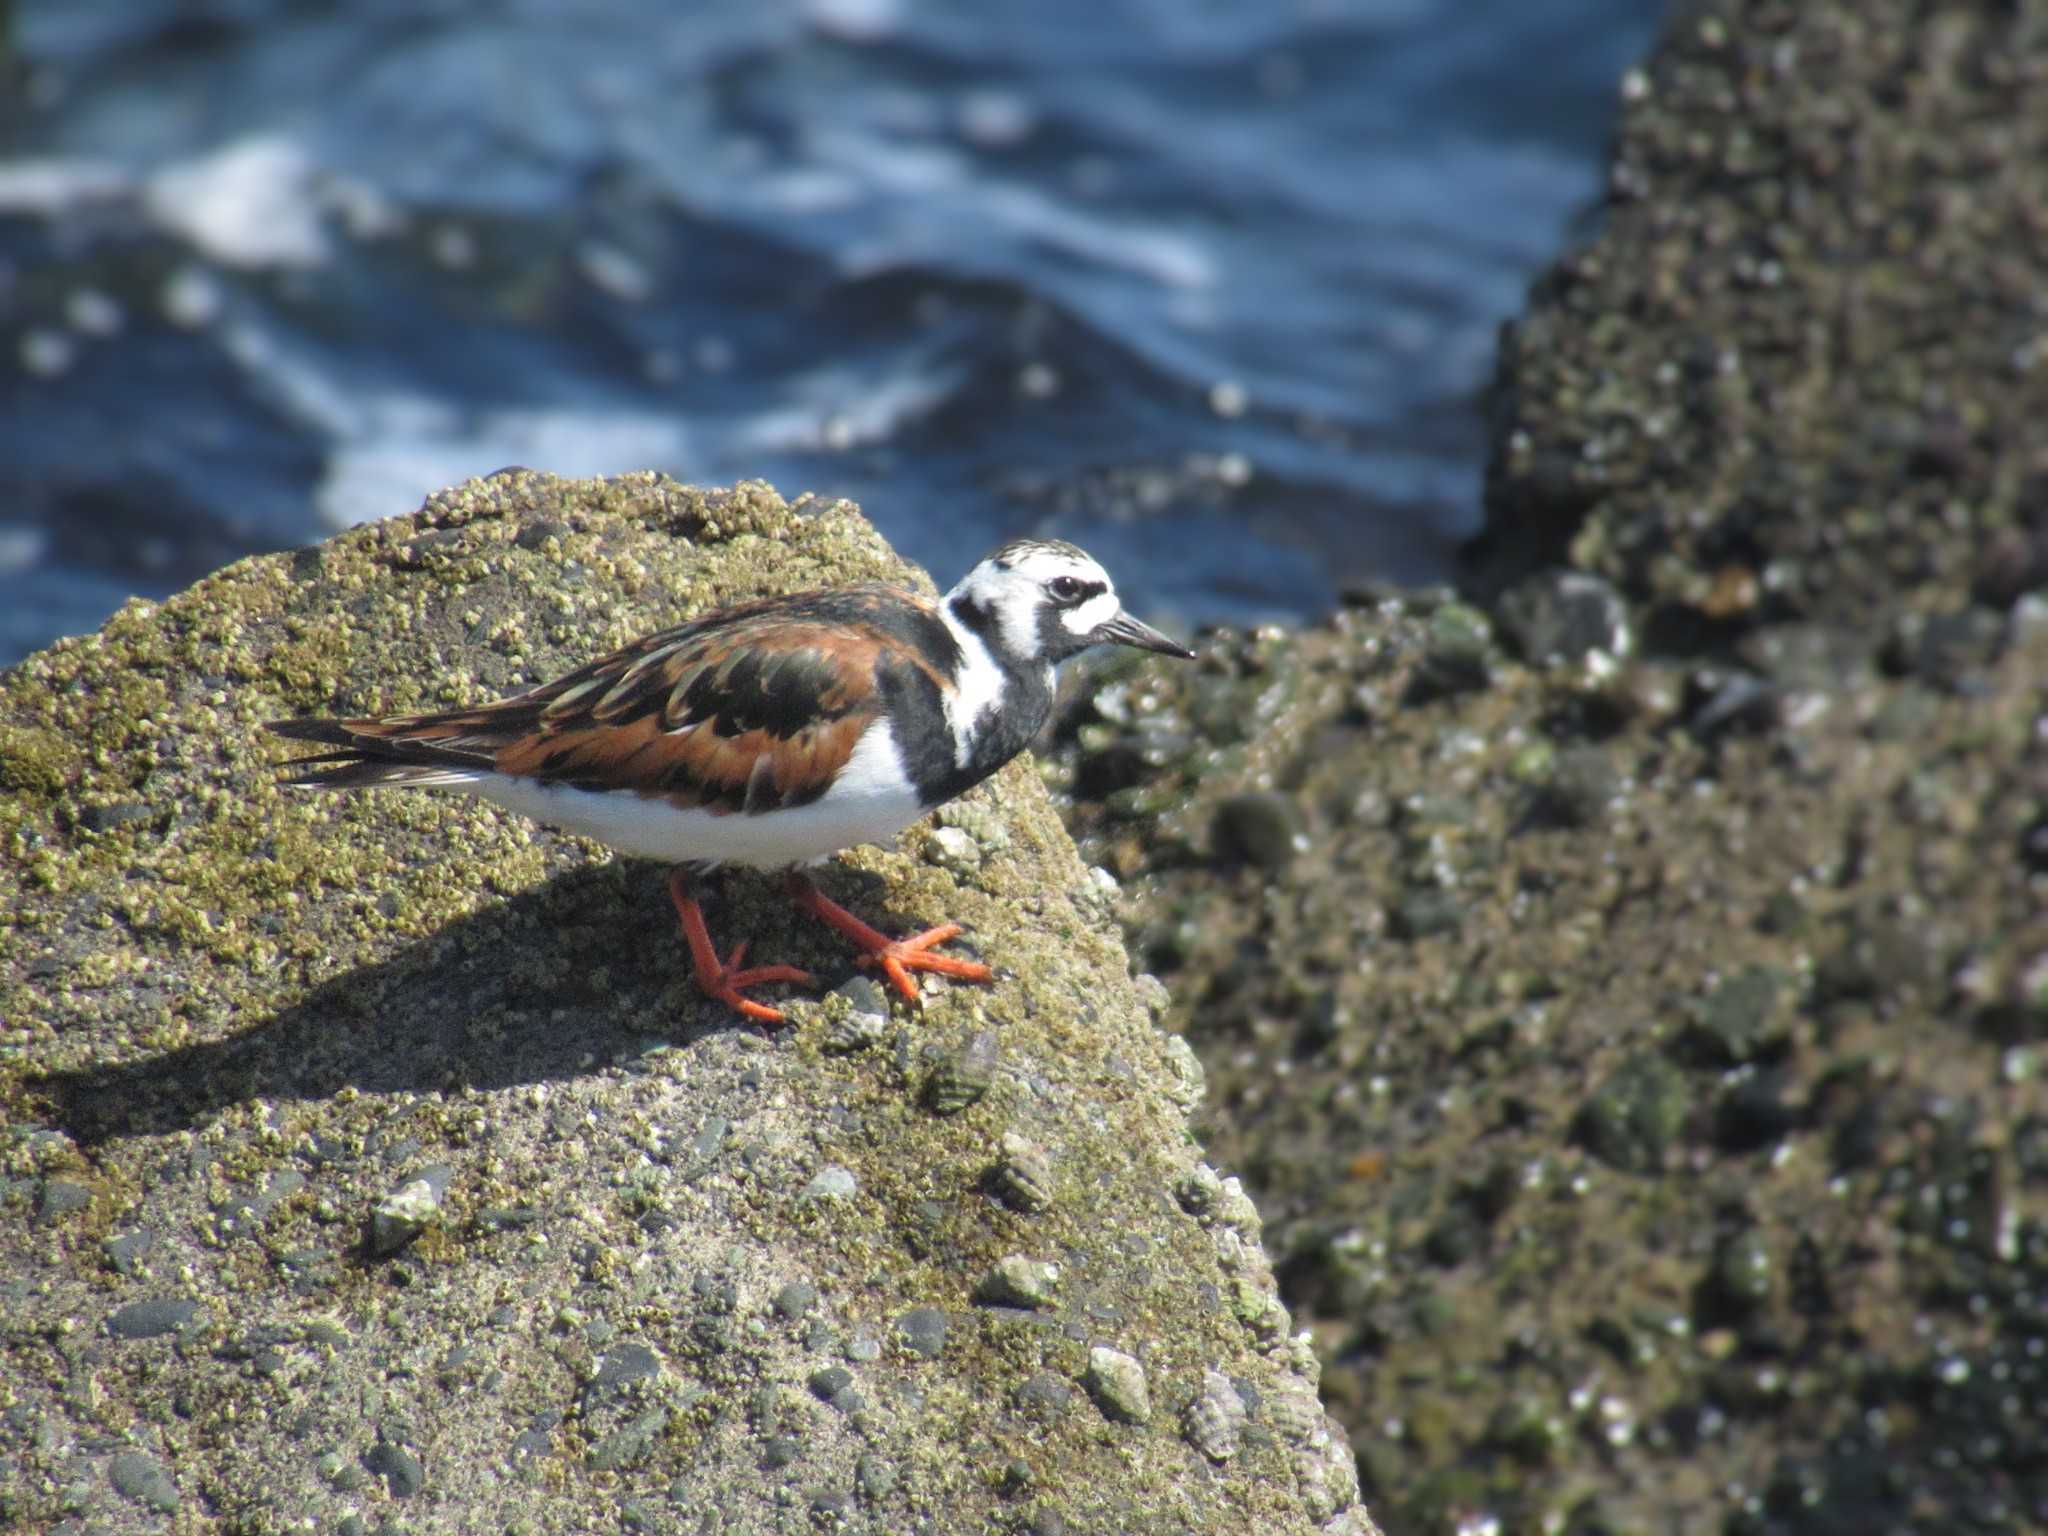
[
  {"x": 1023, "y": 1174},
  {"x": 1214, "y": 1420},
  {"x": 963, "y": 1076},
  {"x": 1295, "y": 1413}
]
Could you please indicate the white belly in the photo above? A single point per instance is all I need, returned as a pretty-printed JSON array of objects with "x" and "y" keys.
[{"x": 869, "y": 801}]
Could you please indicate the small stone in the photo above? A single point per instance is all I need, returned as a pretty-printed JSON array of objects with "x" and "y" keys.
[
  {"x": 829, "y": 1381},
  {"x": 1260, "y": 828},
  {"x": 923, "y": 1331},
  {"x": 152, "y": 1319},
  {"x": 859, "y": 1022},
  {"x": 1457, "y": 640},
  {"x": 710, "y": 1137},
  {"x": 1426, "y": 912},
  {"x": 408, "y": 1210},
  {"x": 1742, "y": 1275},
  {"x": 142, "y": 1478},
  {"x": 1043, "y": 1395},
  {"x": 401, "y": 1470},
  {"x": 126, "y": 1252},
  {"x": 622, "y": 1368},
  {"x": 875, "y": 1477},
  {"x": 1558, "y": 617},
  {"x": 834, "y": 1183},
  {"x": 1117, "y": 1383},
  {"x": 795, "y": 1299},
  {"x": 1581, "y": 785},
  {"x": 954, "y": 848},
  {"x": 963, "y": 1075},
  {"x": 58, "y": 1198},
  {"x": 863, "y": 1348},
  {"x": 1017, "y": 1281},
  {"x": 1199, "y": 1190},
  {"x": 1632, "y": 1117},
  {"x": 631, "y": 1444},
  {"x": 780, "y": 1450},
  {"x": 1733, "y": 1023}
]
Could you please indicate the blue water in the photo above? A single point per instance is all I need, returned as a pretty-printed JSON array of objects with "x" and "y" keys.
[{"x": 1210, "y": 289}]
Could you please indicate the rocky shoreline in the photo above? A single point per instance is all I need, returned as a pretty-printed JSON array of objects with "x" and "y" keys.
[{"x": 1624, "y": 985}]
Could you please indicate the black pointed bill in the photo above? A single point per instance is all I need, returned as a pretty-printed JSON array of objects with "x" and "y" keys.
[{"x": 1125, "y": 630}]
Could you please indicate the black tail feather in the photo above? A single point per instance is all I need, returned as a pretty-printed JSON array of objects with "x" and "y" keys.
[{"x": 365, "y": 761}]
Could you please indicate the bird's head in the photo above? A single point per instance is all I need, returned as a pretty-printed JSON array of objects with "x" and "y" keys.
[{"x": 1043, "y": 600}]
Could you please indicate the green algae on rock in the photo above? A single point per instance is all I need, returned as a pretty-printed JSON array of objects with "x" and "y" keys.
[{"x": 253, "y": 1028}]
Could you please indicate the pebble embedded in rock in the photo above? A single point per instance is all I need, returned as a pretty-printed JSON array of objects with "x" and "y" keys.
[
  {"x": 954, "y": 848},
  {"x": 1043, "y": 1395},
  {"x": 875, "y": 1477},
  {"x": 408, "y": 1210},
  {"x": 795, "y": 1299},
  {"x": 152, "y": 1319},
  {"x": 126, "y": 1252},
  {"x": 861, "y": 1021},
  {"x": 621, "y": 1368},
  {"x": 402, "y": 1471},
  {"x": 142, "y": 1478},
  {"x": 58, "y": 1198},
  {"x": 827, "y": 1382},
  {"x": 1635, "y": 1113},
  {"x": 1117, "y": 1383},
  {"x": 1017, "y": 1281},
  {"x": 923, "y": 1330},
  {"x": 834, "y": 1183},
  {"x": 1556, "y": 617}
]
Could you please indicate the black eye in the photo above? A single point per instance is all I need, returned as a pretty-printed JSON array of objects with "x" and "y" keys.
[{"x": 1067, "y": 589}]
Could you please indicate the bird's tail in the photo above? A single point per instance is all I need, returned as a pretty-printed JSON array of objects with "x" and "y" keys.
[{"x": 366, "y": 758}]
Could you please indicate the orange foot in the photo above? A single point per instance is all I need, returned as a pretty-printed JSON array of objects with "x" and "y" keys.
[
  {"x": 897, "y": 957},
  {"x": 724, "y": 979}
]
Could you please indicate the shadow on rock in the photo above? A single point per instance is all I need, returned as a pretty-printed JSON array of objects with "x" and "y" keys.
[{"x": 584, "y": 969}]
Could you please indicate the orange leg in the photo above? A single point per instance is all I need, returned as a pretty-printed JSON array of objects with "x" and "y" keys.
[
  {"x": 723, "y": 979},
  {"x": 897, "y": 957}
]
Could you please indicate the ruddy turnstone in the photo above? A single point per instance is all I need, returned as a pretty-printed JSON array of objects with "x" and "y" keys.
[{"x": 772, "y": 734}]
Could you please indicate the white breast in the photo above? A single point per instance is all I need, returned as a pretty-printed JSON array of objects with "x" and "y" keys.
[{"x": 872, "y": 799}]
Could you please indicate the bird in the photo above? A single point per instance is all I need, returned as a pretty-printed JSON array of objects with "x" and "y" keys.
[{"x": 770, "y": 734}]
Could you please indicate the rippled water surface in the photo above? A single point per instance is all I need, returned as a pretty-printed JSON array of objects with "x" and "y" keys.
[{"x": 1207, "y": 288}]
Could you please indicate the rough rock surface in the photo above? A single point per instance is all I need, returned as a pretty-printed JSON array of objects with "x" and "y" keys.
[
  {"x": 1629, "y": 1004},
  {"x": 372, "y": 1163}
]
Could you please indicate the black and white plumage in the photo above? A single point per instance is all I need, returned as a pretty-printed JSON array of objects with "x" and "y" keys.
[{"x": 771, "y": 734}]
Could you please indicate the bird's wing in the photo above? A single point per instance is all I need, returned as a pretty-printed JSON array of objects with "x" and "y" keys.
[{"x": 755, "y": 707}]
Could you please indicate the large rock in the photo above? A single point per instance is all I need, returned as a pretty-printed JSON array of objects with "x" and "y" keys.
[{"x": 374, "y": 1161}]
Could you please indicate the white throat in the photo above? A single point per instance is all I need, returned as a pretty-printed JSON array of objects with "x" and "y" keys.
[{"x": 980, "y": 687}]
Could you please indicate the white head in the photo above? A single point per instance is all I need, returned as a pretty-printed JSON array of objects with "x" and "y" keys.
[{"x": 1041, "y": 600}]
